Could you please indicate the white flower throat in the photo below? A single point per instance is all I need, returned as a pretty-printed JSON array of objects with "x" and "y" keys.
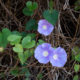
[
  {"x": 44, "y": 27},
  {"x": 55, "y": 57},
  {"x": 45, "y": 53}
]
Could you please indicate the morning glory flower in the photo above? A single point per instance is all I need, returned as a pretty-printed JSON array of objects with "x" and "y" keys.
[
  {"x": 43, "y": 52},
  {"x": 44, "y": 27},
  {"x": 59, "y": 57}
]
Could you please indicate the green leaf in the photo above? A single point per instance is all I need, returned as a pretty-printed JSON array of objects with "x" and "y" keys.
[
  {"x": 23, "y": 34},
  {"x": 76, "y": 67},
  {"x": 30, "y": 44},
  {"x": 77, "y": 5},
  {"x": 27, "y": 12},
  {"x": 24, "y": 56},
  {"x": 31, "y": 25},
  {"x": 51, "y": 17},
  {"x": 6, "y": 31},
  {"x": 40, "y": 76},
  {"x": 28, "y": 53},
  {"x": 15, "y": 72},
  {"x": 16, "y": 33},
  {"x": 76, "y": 77},
  {"x": 3, "y": 37},
  {"x": 14, "y": 39},
  {"x": 35, "y": 6},
  {"x": 40, "y": 41},
  {"x": 33, "y": 35},
  {"x": 26, "y": 40},
  {"x": 77, "y": 57},
  {"x": 21, "y": 57},
  {"x": 24, "y": 70},
  {"x": 27, "y": 73},
  {"x": 18, "y": 48},
  {"x": 75, "y": 52},
  {"x": 29, "y": 4}
]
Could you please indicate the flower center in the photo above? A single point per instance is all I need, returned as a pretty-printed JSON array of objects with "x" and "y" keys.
[
  {"x": 55, "y": 56},
  {"x": 44, "y": 27},
  {"x": 45, "y": 53}
]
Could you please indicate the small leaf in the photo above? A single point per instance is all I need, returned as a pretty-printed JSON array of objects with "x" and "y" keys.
[
  {"x": 35, "y": 6},
  {"x": 29, "y": 4},
  {"x": 15, "y": 72},
  {"x": 6, "y": 31},
  {"x": 33, "y": 35},
  {"x": 40, "y": 76},
  {"x": 76, "y": 77},
  {"x": 24, "y": 70},
  {"x": 76, "y": 67},
  {"x": 27, "y": 12},
  {"x": 52, "y": 17},
  {"x": 77, "y": 57},
  {"x": 18, "y": 48},
  {"x": 3, "y": 37},
  {"x": 28, "y": 53},
  {"x": 40, "y": 41},
  {"x": 16, "y": 33},
  {"x": 76, "y": 50},
  {"x": 23, "y": 56},
  {"x": 31, "y": 25},
  {"x": 77, "y": 5},
  {"x": 14, "y": 39},
  {"x": 26, "y": 40},
  {"x": 27, "y": 43},
  {"x": 30, "y": 44}
]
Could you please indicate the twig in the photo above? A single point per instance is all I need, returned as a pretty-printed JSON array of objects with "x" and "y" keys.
[{"x": 17, "y": 22}]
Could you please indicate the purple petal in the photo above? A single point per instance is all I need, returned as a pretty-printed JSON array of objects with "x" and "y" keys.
[
  {"x": 43, "y": 52},
  {"x": 44, "y": 27},
  {"x": 59, "y": 57},
  {"x": 43, "y": 60}
]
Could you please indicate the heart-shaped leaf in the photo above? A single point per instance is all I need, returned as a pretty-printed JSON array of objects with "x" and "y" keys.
[
  {"x": 52, "y": 17},
  {"x": 26, "y": 40},
  {"x": 27, "y": 12},
  {"x": 31, "y": 5},
  {"x": 31, "y": 25},
  {"x": 18, "y": 48},
  {"x": 14, "y": 39},
  {"x": 30, "y": 44}
]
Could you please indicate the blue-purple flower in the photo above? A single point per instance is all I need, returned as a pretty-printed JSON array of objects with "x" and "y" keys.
[
  {"x": 44, "y": 27},
  {"x": 59, "y": 57},
  {"x": 43, "y": 53}
]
